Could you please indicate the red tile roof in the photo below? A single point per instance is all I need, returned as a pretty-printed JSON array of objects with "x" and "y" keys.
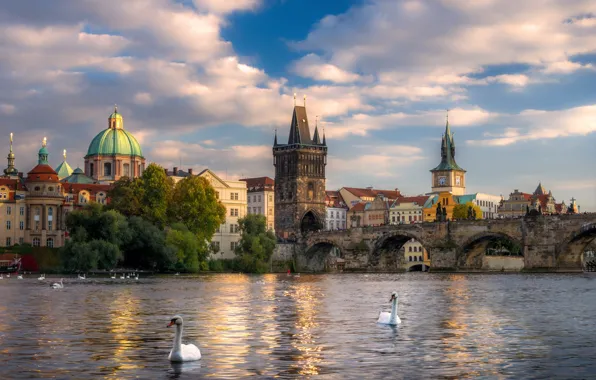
[
  {"x": 42, "y": 173},
  {"x": 259, "y": 183},
  {"x": 358, "y": 207},
  {"x": 372, "y": 193},
  {"x": 419, "y": 200},
  {"x": 334, "y": 199}
]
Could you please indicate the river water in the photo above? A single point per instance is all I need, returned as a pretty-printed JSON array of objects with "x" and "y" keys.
[{"x": 453, "y": 326}]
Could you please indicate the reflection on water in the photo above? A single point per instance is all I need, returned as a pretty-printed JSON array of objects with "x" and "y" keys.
[{"x": 453, "y": 326}]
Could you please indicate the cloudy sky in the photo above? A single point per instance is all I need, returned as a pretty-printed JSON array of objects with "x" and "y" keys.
[{"x": 206, "y": 82}]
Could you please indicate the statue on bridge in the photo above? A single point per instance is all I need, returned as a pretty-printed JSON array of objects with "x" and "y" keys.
[
  {"x": 439, "y": 215},
  {"x": 470, "y": 212}
]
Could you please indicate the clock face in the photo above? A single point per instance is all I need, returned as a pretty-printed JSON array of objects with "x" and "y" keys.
[
  {"x": 458, "y": 180},
  {"x": 442, "y": 180}
]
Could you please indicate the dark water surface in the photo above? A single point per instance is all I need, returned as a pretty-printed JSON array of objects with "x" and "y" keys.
[{"x": 453, "y": 326}]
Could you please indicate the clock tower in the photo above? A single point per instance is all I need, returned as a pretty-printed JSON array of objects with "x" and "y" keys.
[{"x": 448, "y": 176}]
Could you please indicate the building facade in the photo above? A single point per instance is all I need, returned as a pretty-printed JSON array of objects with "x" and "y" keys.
[
  {"x": 448, "y": 176},
  {"x": 299, "y": 179},
  {"x": 336, "y": 211},
  {"x": 488, "y": 204},
  {"x": 407, "y": 210},
  {"x": 233, "y": 196},
  {"x": 354, "y": 195},
  {"x": 261, "y": 193},
  {"x": 114, "y": 153},
  {"x": 416, "y": 256},
  {"x": 519, "y": 203},
  {"x": 365, "y": 214}
]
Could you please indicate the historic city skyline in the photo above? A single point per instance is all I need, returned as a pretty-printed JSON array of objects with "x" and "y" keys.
[{"x": 209, "y": 83}]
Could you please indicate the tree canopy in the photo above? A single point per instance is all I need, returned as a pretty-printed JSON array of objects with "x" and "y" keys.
[
  {"x": 256, "y": 243},
  {"x": 461, "y": 211}
]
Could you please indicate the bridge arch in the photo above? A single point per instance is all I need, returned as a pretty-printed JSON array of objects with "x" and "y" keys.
[
  {"x": 569, "y": 253},
  {"x": 323, "y": 255},
  {"x": 471, "y": 253},
  {"x": 387, "y": 252}
]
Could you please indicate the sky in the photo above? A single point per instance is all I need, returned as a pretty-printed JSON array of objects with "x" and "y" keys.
[{"x": 205, "y": 83}]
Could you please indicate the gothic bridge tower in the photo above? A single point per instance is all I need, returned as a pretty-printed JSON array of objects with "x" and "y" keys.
[{"x": 299, "y": 178}]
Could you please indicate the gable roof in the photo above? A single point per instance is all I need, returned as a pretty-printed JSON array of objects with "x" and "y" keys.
[
  {"x": 259, "y": 183},
  {"x": 418, "y": 200},
  {"x": 208, "y": 174},
  {"x": 373, "y": 193},
  {"x": 334, "y": 199}
]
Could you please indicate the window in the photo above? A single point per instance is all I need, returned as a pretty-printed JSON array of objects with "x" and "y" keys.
[
  {"x": 409, "y": 258},
  {"x": 50, "y": 242},
  {"x": 3, "y": 193},
  {"x": 420, "y": 258},
  {"x": 8, "y": 224},
  {"x": 36, "y": 242},
  {"x": 259, "y": 209},
  {"x": 22, "y": 211},
  {"x": 50, "y": 212},
  {"x": 8, "y": 242},
  {"x": 233, "y": 245},
  {"x": 49, "y": 225},
  {"x": 233, "y": 212},
  {"x": 107, "y": 169},
  {"x": 126, "y": 170},
  {"x": 410, "y": 249},
  {"x": 234, "y": 228},
  {"x": 259, "y": 198},
  {"x": 21, "y": 225},
  {"x": 215, "y": 246},
  {"x": 234, "y": 196},
  {"x": 270, "y": 198},
  {"x": 91, "y": 172},
  {"x": 8, "y": 210}
]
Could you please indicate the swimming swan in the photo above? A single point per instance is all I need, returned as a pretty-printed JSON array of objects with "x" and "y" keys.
[
  {"x": 182, "y": 352},
  {"x": 390, "y": 318},
  {"x": 58, "y": 285}
]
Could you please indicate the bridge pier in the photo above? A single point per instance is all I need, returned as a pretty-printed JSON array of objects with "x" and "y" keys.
[{"x": 443, "y": 259}]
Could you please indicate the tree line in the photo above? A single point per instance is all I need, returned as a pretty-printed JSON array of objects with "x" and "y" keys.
[{"x": 155, "y": 224}]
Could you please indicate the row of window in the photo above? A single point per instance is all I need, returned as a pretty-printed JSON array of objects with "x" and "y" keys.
[
  {"x": 233, "y": 212},
  {"x": 215, "y": 245},
  {"x": 36, "y": 242},
  {"x": 416, "y": 249},
  {"x": 337, "y": 225},
  {"x": 409, "y": 212},
  {"x": 9, "y": 210},
  {"x": 336, "y": 214},
  {"x": 411, "y": 218},
  {"x": 257, "y": 198},
  {"x": 415, "y": 258}
]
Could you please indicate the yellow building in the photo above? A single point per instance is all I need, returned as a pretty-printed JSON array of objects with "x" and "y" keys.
[
  {"x": 416, "y": 257},
  {"x": 445, "y": 199}
]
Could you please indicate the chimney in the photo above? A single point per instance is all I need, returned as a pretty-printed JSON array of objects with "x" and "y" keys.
[
  {"x": 189, "y": 171},
  {"x": 176, "y": 170}
]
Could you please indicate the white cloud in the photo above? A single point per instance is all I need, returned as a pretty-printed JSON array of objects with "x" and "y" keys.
[
  {"x": 226, "y": 6},
  {"x": 7, "y": 109},
  {"x": 539, "y": 125},
  {"x": 312, "y": 66}
]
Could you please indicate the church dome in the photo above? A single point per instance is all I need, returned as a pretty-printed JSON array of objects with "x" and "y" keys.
[{"x": 114, "y": 140}]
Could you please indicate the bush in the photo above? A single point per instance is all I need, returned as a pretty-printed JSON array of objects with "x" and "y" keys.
[{"x": 203, "y": 266}]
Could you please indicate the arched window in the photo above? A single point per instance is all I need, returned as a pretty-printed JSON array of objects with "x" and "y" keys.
[
  {"x": 3, "y": 193},
  {"x": 50, "y": 242},
  {"x": 409, "y": 258},
  {"x": 36, "y": 242},
  {"x": 107, "y": 169},
  {"x": 50, "y": 211},
  {"x": 91, "y": 173},
  {"x": 83, "y": 197},
  {"x": 126, "y": 170}
]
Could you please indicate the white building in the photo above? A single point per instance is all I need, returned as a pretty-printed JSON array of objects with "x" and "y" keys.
[
  {"x": 489, "y": 204},
  {"x": 233, "y": 195},
  {"x": 336, "y": 211},
  {"x": 261, "y": 198},
  {"x": 407, "y": 210}
]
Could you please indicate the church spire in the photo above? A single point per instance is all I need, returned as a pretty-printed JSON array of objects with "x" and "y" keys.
[
  {"x": 10, "y": 169},
  {"x": 275, "y": 139},
  {"x": 447, "y": 150},
  {"x": 299, "y": 129}
]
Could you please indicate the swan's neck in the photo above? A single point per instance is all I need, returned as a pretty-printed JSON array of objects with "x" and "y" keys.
[
  {"x": 178, "y": 338},
  {"x": 393, "y": 316}
]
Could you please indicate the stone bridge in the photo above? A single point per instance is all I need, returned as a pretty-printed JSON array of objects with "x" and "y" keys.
[{"x": 548, "y": 243}]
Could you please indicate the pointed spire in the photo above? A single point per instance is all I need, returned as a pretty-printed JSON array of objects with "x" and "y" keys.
[
  {"x": 315, "y": 137},
  {"x": 275, "y": 139},
  {"x": 10, "y": 169},
  {"x": 294, "y": 99}
]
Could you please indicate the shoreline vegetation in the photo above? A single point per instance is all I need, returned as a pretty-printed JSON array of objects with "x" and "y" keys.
[{"x": 154, "y": 225}]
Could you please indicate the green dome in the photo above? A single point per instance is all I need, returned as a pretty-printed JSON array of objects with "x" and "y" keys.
[
  {"x": 113, "y": 141},
  {"x": 43, "y": 150}
]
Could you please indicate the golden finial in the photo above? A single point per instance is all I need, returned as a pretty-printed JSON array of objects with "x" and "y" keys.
[
  {"x": 294, "y": 99},
  {"x": 11, "y": 137},
  {"x": 304, "y": 100},
  {"x": 64, "y": 154},
  {"x": 115, "y": 107},
  {"x": 44, "y": 142}
]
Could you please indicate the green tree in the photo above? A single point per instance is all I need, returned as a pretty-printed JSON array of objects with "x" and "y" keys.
[
  {"x": 460, "y": 211},
  {"x": 98, "y": 224},
  {"x": 147, "y": 246},
  {"x": 256, "y": 243},
  {"x": 189, "y": 249},
  {"x": 126, "y": 196},
  {"x": 195, "y": 204},
  {"x": 156, "y": 194}
]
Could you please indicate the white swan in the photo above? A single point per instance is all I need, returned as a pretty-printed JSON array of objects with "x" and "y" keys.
[
  {"x": 42, "y": 277},
  {"x": 81, "y": 277},
  {"x": 390, "y": 318},
  {"x": 113, "y": 276},
  {"x": 137, "y": 278},
  {"x": 58, "y": 285},
  {"x": 182, "y": 352},
  {"x": 19, "y": 277},
  {"x": 1, "y": 276},
  {"x": 122, "y": 276}
]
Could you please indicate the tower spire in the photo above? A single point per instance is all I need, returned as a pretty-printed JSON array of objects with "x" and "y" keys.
[
  {"x": 10, "y": 169},
  {"x": 275, "y": 139},
  {"x": 294, "y": 99},
  {"x": 315, "y": 138}
]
